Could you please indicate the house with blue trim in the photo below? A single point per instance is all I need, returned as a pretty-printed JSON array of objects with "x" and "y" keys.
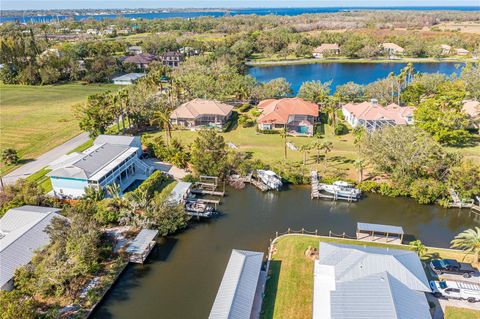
[{"x": 112, "y": 159}]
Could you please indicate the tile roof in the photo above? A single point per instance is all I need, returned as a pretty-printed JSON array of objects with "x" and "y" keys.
[
  {"x": 236, "y": 293},
  {"x": 472, "y": 108},
  {"x": 392, "y": 46},
  {"x": 198, "y": 107},
  {"x": 142, "y": 58},
  {"x": 277, "y": 111},
  {"x": 370, "y": 112},
  {"x": 327, "y": 47},
  {"x": 22, "y": 232}
]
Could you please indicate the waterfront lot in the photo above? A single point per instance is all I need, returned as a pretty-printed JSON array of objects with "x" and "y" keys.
[
  {"x": 288, "y": 292},
  {"x": 34, "y": 119}
]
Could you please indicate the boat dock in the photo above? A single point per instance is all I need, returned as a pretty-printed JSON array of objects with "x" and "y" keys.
[
  {"x": 208, "y": 185},
  {"x": 240, "y": 181},
  {"x": 142, "y": 245},
  {"x": 317, "y": 187}
]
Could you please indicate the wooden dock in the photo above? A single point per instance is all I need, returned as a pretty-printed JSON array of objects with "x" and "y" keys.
[
  {"x": 208, "y": 185},
  {"x": 142, "y": 245}
]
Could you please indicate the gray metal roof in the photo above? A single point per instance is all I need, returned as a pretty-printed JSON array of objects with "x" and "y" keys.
[
  {"x": 22, "y": 232},
  {"x": 141, "y": 242},
  {"x": 118, "y": 140},
  {"x": 179, "y": 192},
  {"x": 129, "y": 77},
  {"x": 380, "y": 228},
  {"x": 236, "y": 293},
  {"x": 353, "y": 281}
]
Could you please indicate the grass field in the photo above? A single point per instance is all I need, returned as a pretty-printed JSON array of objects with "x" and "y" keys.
[
  {"x": 270, "y": 148},
  {"x": 289, "y": 289},
  {"x": 461, "y": 313},
  {"x": 34, "y": 119}
]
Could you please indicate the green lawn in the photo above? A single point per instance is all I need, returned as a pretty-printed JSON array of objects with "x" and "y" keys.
[
  {"x": 270, "y": 148},
  {"x": 289, "y": 289},
  {"x": 34, "y": 119},
  {"x": 461, "y": 313}
]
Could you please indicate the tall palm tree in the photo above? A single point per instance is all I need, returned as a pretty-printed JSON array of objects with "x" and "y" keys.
[
  {"x": 326, "y": 147},
  {"x": 162, "y": 117},
  {"x": 360, "y": 165},
  {"x": 469, "y": 242},
  {"x": 283, "y": 134},
  {"x": 305, "y": 149}
]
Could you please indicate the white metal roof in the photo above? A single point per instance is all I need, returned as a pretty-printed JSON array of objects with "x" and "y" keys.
[
  {"x": 179, "y": 192},
  {"x": 236, "y": 293},
  {"x": 129, "y": 77},
  {"x": 352, "y": 281},
  {"x": 141, "y": 242},
  {"x": 22, "y": 231},
  {"x": 118, "y": 140},
  {"x": 380, "y": 228}
]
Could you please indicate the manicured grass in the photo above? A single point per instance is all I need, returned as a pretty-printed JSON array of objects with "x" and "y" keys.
[
  {"x": 289, "y": 289},
  {"x": 41, "y": 179},
  {"x": 34, "y": 119},
  {"x": 270, "y": 148},
  {"x": 461, "y": 313},
  {"x": 82, "y": 147}
]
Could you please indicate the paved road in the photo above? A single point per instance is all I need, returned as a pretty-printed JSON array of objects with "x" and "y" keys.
[{"x": 45, "y": 159}]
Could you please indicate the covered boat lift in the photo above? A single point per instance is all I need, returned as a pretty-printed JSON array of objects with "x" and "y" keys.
[
  {"x": 142, "y": 245},
  {"x": 380, "y": 233}
]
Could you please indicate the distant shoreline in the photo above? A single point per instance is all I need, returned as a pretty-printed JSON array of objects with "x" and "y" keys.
[{"x": 346, "y": 60}]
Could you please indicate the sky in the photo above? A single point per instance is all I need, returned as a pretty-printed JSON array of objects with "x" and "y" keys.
[{"x": 107, "y": 4}]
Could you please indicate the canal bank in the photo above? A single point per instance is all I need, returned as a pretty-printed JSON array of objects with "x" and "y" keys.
[{"x": 183, "y": 273}]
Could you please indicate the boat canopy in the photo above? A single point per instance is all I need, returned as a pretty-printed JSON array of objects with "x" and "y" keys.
[{"x": 378, "y": 228}]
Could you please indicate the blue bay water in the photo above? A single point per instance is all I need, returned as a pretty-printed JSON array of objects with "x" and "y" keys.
[
  {"x": 341, "y": 73},
  {"x": 221, "y": 13}
]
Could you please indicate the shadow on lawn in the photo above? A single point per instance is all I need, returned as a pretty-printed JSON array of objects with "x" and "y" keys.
[{"x": 270, "y": 297}]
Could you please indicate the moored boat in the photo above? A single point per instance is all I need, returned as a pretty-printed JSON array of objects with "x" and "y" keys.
[
  {"x": 341, "y": 189},
  {"x": 270, "y": 179}
]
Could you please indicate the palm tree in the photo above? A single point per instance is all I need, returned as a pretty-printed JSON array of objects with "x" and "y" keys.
[
  {"x": 326, "y": 146},
  {"x": 305, "y": 149},
  {"x": 317, "y": 145},
  {"x": 283, "y": 134},
  {"x": 469, "y": 242},
  {"x": 114, "y": 190},
  {"x": 360, "y": 165},
  {"x": 162, "y": 117},
  {"x": 94, "y": 194},
  {"x": 418, "y": 247}
]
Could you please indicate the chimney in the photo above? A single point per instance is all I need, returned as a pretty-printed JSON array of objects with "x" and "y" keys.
[{"x": 374, "y": 102}]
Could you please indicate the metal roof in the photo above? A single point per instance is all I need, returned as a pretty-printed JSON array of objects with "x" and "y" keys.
[
  {"x": 353, "y": 281},
  {"x": 118, "y": 140},
  {"x": 179, "y": 192},
  {"x": 129, "y": 77},
  {"x": 22, "y": 232},
  {"x": 380, "y": 228},
  {"x": 236, "y": 293},
  {"x": 141, "y": 242}
]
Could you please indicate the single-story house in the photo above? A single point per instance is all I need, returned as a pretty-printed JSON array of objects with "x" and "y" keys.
[
  {"x": 127, "y": 79},
  {"x": 111, "y": 160},
  {"x": 372, "y": 115},
  {"x": 472, "y": 108},
  {"x": 295, "y": 114},
  {"x": 134, "y": 49},
  {"x": 445, "y": 49},
  {"x": 141, "y": 60},
  {"x": 22, "y": 232},
  {"x": 241, "y": 284},
  {"x": 326, "y": 48},
  {"x": 172, "y": 59},
  {"x": 200, "y": 113},
  {"x": 461, "y": 51},
  {"x": 353, "y": 281},
  {"x": 392, "y": 48}
]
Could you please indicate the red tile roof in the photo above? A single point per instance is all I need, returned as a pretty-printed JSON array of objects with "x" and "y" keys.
[
  {"x": 370, "y": 112},
  {"x": 277, "y": 111},
  {"x": 142, "y": 58}
]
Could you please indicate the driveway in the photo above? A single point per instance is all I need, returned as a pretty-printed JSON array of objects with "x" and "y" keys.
[{"x": 45, "y": 159}]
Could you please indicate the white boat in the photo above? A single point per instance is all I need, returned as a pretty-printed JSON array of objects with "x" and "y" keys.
[
  {"x": 341, "y": 189},
  {"x": 198, "y": 208},
  {"x": 270, "y": 179}
]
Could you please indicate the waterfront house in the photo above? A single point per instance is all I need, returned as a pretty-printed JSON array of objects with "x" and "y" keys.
[
  {"x": 134, "y": 49},
  {"x": 472, "y": 108},
  {"x": 127, "y": 79},
  {"x": 461, "y": 51},
  {"x": 392, "y": 49},
  {"x": 295, "y": 115},
  {"x": 172, "y": 59},
  {"x": 240, "y": 293},
  {"x": 22, "y": 232},
  {"x": 373, "y": 116},
  {"x": 326, "y": 49},
  {"x": 201, "y": 113},
  {"x": 141, "y": 60},
  {"x": 353, "y": 281},
  {"x": 446, "y": 49},
  {"x": 111, "y": 160}
]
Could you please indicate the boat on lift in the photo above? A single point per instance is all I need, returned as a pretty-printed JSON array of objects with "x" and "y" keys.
[
  {"x": 341, "y": 189},
  {"x": 197, "y": 208},
  {"x": 269, "y": 178}
]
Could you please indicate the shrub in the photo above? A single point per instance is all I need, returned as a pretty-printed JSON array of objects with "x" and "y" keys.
[
  {"x": 388, "y": 190},
  {"x": 426, "y": 191},
  {"x": 154, "y": 183},
  {"x": 368, "y": 186},
  {"x": 341, "y": 129},
  {"x": 244, "y": 107}
]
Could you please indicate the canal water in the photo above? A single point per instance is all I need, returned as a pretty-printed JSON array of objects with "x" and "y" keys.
[
  {"x": 184, "y": 271},
  {"x": 341, "y": 73}
]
